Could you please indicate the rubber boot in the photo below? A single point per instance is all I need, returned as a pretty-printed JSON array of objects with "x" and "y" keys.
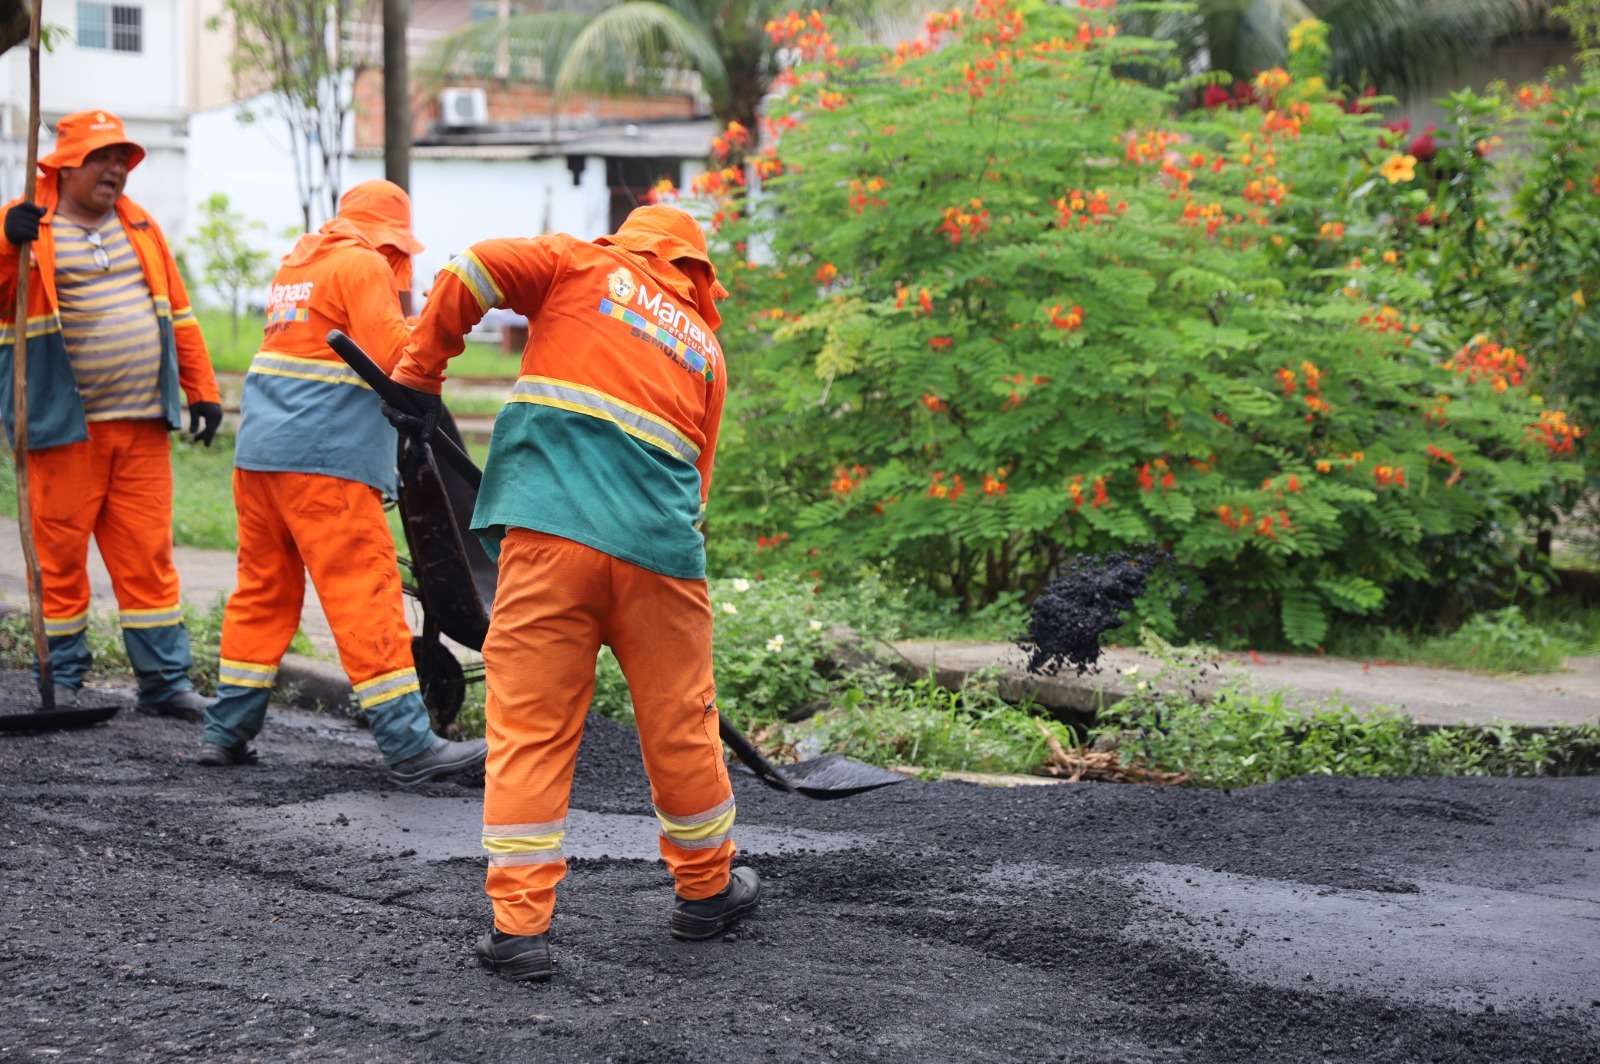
[
  {"x": 521, "y": 958},
  {"x": 66, "y": 697},
  {"x": 709, "y": 917}
]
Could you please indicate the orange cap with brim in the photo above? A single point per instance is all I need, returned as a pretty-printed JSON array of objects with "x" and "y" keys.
[
  {"x": 382, "y": 211},
  {"x": 669, "y": 234},
  {"x": 84, "y": 132}
]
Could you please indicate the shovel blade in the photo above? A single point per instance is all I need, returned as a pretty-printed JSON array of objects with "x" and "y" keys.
[
  {"x": 56, "y": 719},
  {"x": 837, "y": 776}
]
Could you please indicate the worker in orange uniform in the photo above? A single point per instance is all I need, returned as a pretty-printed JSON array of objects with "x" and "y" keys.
[
  {"x": 313, "y": 461},
  {"x": 111, "y": 342},
  {"x": 596, "y": 482}
]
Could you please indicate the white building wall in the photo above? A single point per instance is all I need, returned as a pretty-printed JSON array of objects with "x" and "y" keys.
[
  {"x": 146, "y": 89},
  {"x": 455, "y": 202}
]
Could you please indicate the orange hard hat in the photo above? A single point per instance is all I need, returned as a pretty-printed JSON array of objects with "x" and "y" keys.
[
  {"x": 382, "y": 211},
  {"x": 79, "y": 134}
]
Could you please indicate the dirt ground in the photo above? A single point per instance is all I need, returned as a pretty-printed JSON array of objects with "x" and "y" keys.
[{"x": 304, "y": 910}]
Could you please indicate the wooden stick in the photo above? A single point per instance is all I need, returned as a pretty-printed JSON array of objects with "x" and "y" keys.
[{"x": 19, "y": 385}]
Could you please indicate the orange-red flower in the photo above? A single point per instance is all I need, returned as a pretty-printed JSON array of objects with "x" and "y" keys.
[
  {"x": 1071, "y": 321},
  {"x": 827, "y": 272}
]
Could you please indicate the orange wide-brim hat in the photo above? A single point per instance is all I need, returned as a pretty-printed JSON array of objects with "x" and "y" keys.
[
  {"x": 80, "y": 134},
  {"x": 382, "y": 211},
  {"x": 667, "y": 233}
]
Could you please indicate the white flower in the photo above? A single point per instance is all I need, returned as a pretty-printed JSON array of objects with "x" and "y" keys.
[
  {"x": 1140, "y": 686},
  {"x": 1132, "y": 670},
  {"x": 775, "y": 643},
  {"x": 729, "y": 608},
  {"x": 741, "y": 584},
  {"x": 816, "y": 626}
]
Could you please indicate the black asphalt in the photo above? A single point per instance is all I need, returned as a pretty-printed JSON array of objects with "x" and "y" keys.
[{"x": 301, "y": 909}]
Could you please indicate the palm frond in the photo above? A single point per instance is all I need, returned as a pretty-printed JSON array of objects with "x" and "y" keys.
[
  {"x": 635, "y": 47},
  {"x": 525, "y": 48}
]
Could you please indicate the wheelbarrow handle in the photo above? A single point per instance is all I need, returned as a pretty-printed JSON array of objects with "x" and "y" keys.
[{"x": 396, "y": 396}]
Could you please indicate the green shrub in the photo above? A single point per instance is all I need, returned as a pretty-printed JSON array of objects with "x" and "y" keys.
[
  {"x": 1009, "y": 306},
  {"x": 769, "y": 638},
  {"x": 1497, "y": 641}
]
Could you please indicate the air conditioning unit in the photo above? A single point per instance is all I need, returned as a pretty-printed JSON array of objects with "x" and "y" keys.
[{"x": 463, "y": 108}]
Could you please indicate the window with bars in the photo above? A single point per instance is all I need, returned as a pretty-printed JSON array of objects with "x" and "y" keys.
[{"x": 110, "y": 27}]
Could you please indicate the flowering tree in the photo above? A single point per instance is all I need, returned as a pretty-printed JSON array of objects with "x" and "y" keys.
[{"x": 1004, "y": 306}]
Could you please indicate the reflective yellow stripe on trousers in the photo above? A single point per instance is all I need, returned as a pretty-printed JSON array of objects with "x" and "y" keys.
[
  {"x": 524, "y": 844},
  {"x": 702, "y": 831}
]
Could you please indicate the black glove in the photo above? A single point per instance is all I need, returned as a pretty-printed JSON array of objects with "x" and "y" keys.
[
  {"x": 211, "y": 414},
  {"x": 420, "y": 424},
  {"x": 22, "y": 223}
]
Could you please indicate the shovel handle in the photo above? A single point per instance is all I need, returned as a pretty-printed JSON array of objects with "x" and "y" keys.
[
  {"x": 395, "y": 396},
  {"x": 746, "y": 751}
]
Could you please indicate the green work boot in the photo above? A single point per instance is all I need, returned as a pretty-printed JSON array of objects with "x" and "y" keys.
[
  {"x": 709, "y": 917},
  {"x": 521, "y": 958}
]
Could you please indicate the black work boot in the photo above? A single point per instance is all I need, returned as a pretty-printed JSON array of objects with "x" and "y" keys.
[
  {"x": 240, "y": 753},
  {"x": 66, "y": 697},
  {"x": 188, "y": 704},
  {"x": 442, "y": 758},
  {"x": 709, "y": 917},
  {"x": 521, "y": 958}
]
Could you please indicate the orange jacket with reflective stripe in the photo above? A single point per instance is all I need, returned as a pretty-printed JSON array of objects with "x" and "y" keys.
[
  {"x": 55, "y": 412},
  {"x": 610, "y": 433}
]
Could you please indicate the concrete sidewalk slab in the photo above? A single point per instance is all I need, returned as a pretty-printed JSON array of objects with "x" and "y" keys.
[{"x": 1433, "y": 696}]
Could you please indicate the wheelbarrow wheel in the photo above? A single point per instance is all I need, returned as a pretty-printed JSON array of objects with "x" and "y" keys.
[{"x": 443, "y": 683}]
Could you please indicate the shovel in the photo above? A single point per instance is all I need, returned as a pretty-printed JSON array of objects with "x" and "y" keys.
[
  {"x": 48, "y": 718},
  {"x": 834, "y": 776}
]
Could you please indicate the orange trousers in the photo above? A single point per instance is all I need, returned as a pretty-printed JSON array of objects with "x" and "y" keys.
[
  {"x": 556, "y": 602},
  {"x": 291, "y": 524},
  {"x": 117, "y": 487}
]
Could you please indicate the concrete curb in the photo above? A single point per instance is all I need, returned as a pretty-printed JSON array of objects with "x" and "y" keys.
[{"x": 311, "y": 684}]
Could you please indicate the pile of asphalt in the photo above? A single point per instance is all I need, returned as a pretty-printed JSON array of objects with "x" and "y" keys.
[{"x": 1318, "y": 919}]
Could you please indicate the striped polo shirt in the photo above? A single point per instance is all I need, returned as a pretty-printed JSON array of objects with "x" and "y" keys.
[{"x": 108, "y": 320}]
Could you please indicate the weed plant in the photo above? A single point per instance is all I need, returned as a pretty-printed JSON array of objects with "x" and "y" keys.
[
  {"x": 111, "y": 657},
  {"x": 1245, "y": 737},
  {"x": 887, "y": 722}
]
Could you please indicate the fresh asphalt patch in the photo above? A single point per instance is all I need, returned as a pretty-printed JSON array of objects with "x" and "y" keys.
[{"x": 303, "y": 909}]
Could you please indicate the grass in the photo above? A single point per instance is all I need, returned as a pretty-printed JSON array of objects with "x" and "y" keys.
[
  {"x": 111, "y": 657},
  {"x": 230, "y": 355},
  {"x": 1505, "y": 641}
]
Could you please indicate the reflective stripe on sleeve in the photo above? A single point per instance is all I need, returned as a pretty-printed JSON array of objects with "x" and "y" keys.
[
  {"x": 640, "y": 424},
  {"x": 702, "y": 831},
  {"x": 159, "y": 618},
  {"x": 386, "y": 688},
  {"x": 185, "y": 316},
  {"x": 54, "y": 626},
  {"x": 469, "y": 269},
  {"x": 268, "y": 364},
  {"x": 523, "y": 844},
  {"x": 246, "y": 673}
]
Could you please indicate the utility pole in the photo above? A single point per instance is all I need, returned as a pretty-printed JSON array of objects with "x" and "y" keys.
[{"x": 396, "y": 94}]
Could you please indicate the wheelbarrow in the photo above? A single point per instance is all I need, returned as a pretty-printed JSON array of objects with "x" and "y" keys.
[{"x": 453, "y": 580}]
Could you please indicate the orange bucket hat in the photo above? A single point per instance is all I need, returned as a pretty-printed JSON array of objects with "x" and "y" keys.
[
  {"x": 79, "y": 134},
  {"x": 382, "y": 211},
  {"x": 667, "y": 233}
]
